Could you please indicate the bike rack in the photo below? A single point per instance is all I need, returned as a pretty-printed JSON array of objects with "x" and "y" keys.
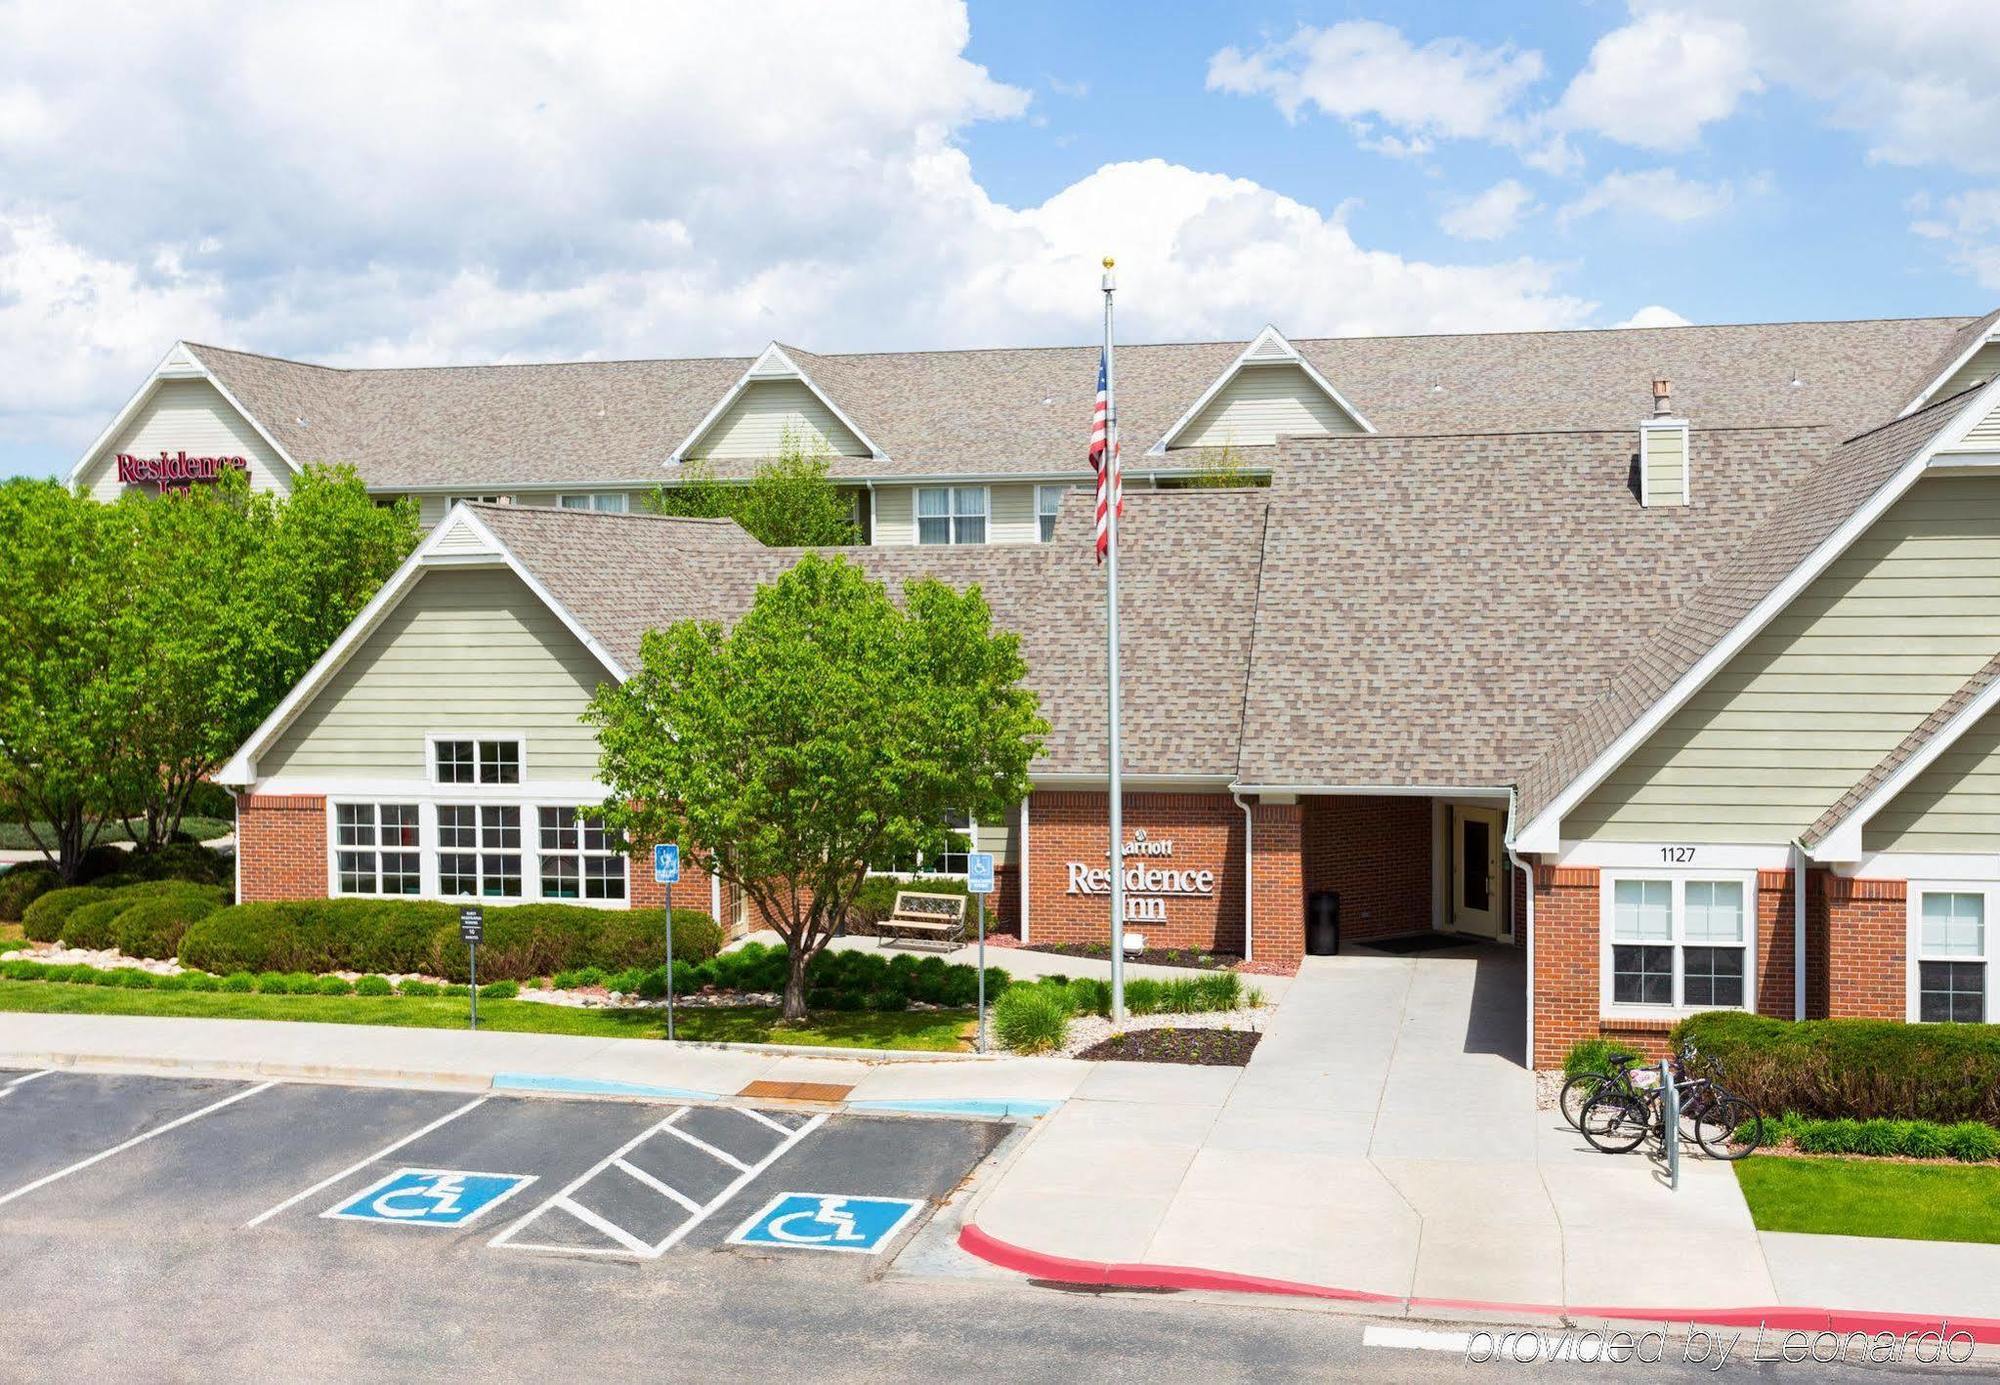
[{"x": 1670, "y": 1123}]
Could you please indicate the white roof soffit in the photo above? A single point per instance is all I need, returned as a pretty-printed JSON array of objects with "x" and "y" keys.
[
  {"x": 1843, "y": 842},
  {"x": 772, "y": 364},
  {"x": 180, "y": 363},
  {"x": 1923, "y": 396},
  {"x": 459, "y": 540},
  {"x": 1544, "y": 831},
  {"x": 1266, "y": 348}
]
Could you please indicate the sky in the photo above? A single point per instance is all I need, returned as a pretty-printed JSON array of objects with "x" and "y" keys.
[{"x": 376, "y": 182}]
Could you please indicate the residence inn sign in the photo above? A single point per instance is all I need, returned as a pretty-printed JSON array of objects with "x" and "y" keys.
[{"x": 1147, "y": 887}]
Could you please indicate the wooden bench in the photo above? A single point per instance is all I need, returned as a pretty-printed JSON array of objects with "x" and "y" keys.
[{"x": 924, "y": 916}]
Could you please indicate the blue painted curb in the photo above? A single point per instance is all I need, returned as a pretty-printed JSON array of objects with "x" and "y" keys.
[
  {"x": 592, "y": 1086},
  {"x": 963, "y": 1106}
]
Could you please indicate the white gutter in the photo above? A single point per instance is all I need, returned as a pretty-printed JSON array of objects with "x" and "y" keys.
[
  {"x": 1025, "y": 877},
  {"x": 1385, "y": 790},
  {"x": 1527, "y": 869},
  {"x": 1249, "y": 874}
]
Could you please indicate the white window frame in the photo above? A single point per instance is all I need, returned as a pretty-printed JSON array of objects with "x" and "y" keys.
[
  {"x": 594, "y": 501},
  {"x": 1677, "y": 940},
  {"x": 953, "y": 516},
  {"x": 1913, "y": 951},
  {"x": 1045, "y": 518},
  {"x": 336, "y": 848},
  {"x": 529, "y": 802},
  {"x": 451, "y": 500},
  {"x": 582, "y": 854},
  {"x": 512, "y": 788},
  {"x": 924, "y": 871}
]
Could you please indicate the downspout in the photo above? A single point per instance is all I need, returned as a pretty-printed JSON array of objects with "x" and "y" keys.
[
  {"x": 1798, "y": 929},
  {"x": 1527, "y": 870},
  {"x": 1249, "y": 877},
  {"x": 1026, "y": 874}
]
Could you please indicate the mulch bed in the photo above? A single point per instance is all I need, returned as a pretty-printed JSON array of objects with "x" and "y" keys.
[
  {"x": 1153, "y": 956},
  {"x": 1222, "y": 1048}
]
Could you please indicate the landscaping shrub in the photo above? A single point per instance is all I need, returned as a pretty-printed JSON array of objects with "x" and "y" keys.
[
  {"x": 1142, "y": 995},
  {"x": 202, "y": 981},
  {"x": 373, "y": 985},
  {"x": 1032, "y": 1019},
  {"x": 1181, "y": 995},
  {"x": 697, "y": 937},
  {"x": 239, "y": 981},
  {"x": 188, "y": 861},
  {"x": 135, "y": 980},
  {"x": 455, "y": 988},
  {"x": 331, "y": 985},
  {"x": 419, "y": 988},
  {"x": 876, "y": 899},
  {"x": 1089, "y": 996},
  {"x": 43, "y": 919},
  {"x": 1830, "y": 1136},
  {"x": 1920, "y": 1140},
  {"x": 273, "y": 983},
  {"x": 22, "y": 886},
  {"x": 152, "y": 925},
  {"x": 171, "y": 983},
  {"x": 1865, "y": 1069},
  {"x": 500, "y": 990},
  {"x": 102, "y": 860},
  {"x": 1971, "y": 1141},
  {"x": 1220, "y": 990},
  {"x": 1590, "y": 1055},
  {"x": 1879, "y": 1138},
  {"x": 89, "y": 926}
]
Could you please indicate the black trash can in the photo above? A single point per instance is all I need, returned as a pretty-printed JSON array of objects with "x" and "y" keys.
[{"x": 1323, "y": 924}]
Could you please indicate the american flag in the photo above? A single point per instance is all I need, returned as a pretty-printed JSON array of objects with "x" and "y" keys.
[{"x": 1110, "y": 482}]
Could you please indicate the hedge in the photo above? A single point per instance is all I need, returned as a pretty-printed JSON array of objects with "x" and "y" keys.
[
  {"x": 406, "y": 935},
  {"x": 876, "y": 899},
  {"x": 1969, "y": 1142},
  {"x": 153, "y": 925},
  {"x": 22, "y": 886},
  {"x": 1855, "y": 1069}
]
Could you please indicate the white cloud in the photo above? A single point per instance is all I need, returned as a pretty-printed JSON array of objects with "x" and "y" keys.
[
  {"x": 1654, "y": 315},
  {"x": 1967, "y": 227},
  {"x": 379, "y": 183},
  {"x": 1657, "y": 194},
  {"x": 1489, "y": 215},
  {"x": 1656, "y": 82},
  {"x": 1370, "y": 75}
]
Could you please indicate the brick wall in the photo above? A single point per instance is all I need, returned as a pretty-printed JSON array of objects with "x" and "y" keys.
[
  {"x": 1566, "y": 994},
  {"x": 1774, "y": 943},
  {"x": 1376, "y": 853},
  {"x": 1279, "y": 881},
  {"x": 281, "y": 842},
  {"x": 691, "y": 891},
  {"x": 1867, "y": 936},
  {"x": 1207, "y": 834}
]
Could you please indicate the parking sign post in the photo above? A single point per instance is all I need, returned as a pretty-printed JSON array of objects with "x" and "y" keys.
[
  {"x": 471, "y": 923},
  {"x": 979, "y": 884},
  {"x": 667, "y": 871}
]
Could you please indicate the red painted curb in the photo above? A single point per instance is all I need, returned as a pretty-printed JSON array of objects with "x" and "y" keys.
[{"x": 1774, "y": 1318}]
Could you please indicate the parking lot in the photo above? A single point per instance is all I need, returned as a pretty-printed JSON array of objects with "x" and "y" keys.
[{"x": 434, "y": 1179}]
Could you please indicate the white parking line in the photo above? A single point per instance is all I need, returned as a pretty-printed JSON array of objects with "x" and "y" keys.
[
  {"x": 138, "y": 1139},
  {"x": 1416, "y": 1339},
  {"x": 697, "y": 1212},
  {"x": 24, "y": 1079},
  {"x": 361, "y": 1164}
]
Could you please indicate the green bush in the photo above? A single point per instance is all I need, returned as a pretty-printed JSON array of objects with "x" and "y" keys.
[
  {"x": 1032, "y": 1019},
  {"x": 23, "y": 970},
  {"x": 22, "y": 886},
  {"x": 171, "y": 983},
  {"x": 1181, "y": 996},
  {"x": 102, "y": 860},
  {"x": 1590, "y": 1055},
  {"x": 105, "y": 977},
  {"x": 239, "y": 981},
  {"x": 188, "y": 861},
  {"x": 43, "y": 919},
  {"x": 1142, "y": 995},
  {"x": 1920, "y": 1140},
  {"x": 456, "y": 989},
  {"x": 273, "y": 983},
  {"x": 1088, "y": 996},
  {"x": 135, "y": 980},
  {"x": 331, "y": 985},
  {"x": 373, "y": 985},
  {"x": 1865, "y": 1069},
  {"x": 697, "y": 937},
  {"x": 1830, "y": 1137},
  {"x": 202, "y": 981},
  {"x": 1220, "y": 990},
  {"x": 500, "y": 990},
  {"x": 419, "y": 988},
  {"x": 152, "y": 925},
  {"x": 876, "y": 899},
  {"x": 1879, "y": 1138},
  {"x": 90, "y": 926},
  {"x": 1971, "y": 1141}
]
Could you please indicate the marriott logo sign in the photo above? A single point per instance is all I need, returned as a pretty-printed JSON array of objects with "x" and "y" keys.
[{"x": 1147, "y": 887}]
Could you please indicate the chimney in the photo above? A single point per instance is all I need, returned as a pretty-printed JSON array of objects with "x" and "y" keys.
[{"x": 1665, "y": 466}]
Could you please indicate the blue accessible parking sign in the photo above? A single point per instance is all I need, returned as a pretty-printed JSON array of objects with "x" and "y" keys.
[
  {"x": 666, "y": 862},
  {"x": 818, "y": 1221},
  {"x": 430, "y": 1197}
]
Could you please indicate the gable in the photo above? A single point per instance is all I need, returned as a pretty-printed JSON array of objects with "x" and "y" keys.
[
  {"x": 466, "y": 649},
  {"x": 755, "y": 423},
  {"x": 1980, "y": 367},
  {"x": 1815, "y": 700},
  {"x": 1261, "y": 403},
  {"x": 1952, "y": 805},
  {"x": 190, "y": 416}
]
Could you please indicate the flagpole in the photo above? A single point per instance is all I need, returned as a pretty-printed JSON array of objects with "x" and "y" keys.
[{"x": 1117, "y": 783}]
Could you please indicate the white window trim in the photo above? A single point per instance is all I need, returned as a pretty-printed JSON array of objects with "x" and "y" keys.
[
  {"x": 1606, "y": 913},
  {"x": 952, "y": 516},
  {"x": 590, "y": 499},
  {"x": 513, "y": 790},
  {"x": 1041, "y": 514},
  {"x": 334, "y": 846},
  {"x": 1913, "y": 953},
  {"x": 429, "y": 846}
]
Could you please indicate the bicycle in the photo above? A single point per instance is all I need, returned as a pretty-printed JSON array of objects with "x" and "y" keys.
[
  {"x": 1580, "y": 1090},
  {"x": 1722, "y": 1124}
]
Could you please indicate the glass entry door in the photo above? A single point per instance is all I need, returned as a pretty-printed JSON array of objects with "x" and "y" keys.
[{"x": 1477, "y": 880}]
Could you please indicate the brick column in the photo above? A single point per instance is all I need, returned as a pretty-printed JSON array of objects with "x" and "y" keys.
[
  {"x": 1567, "y": 1005},
  {"x": 1775, "y": 962},
  {"x": 281, "y": 845},
  {"x": 1867, "y": 938},
  {"x": 1278, "y": 891}
]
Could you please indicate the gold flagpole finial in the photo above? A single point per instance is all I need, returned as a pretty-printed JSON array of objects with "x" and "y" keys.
[{"x": 1110, "y": 263}]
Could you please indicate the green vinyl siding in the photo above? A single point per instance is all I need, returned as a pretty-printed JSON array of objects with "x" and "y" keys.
[
  {"x": 466, "y": 650},
  {"x": 1666, "y": 466},
  {"x": 1263, "y": 403},
  {"x": 1886, "y": 633},
  {"x": 1011, "y": 515},
  {"x": 1980, "y": 367},
  {"x": 756, "y": 423},
  {"x": 1953, "y": 806},
  {"x": 895, "y": 511}
]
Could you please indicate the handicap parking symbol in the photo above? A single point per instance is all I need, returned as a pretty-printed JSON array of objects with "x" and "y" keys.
[
  {"x": 429, "y": 1197},
  {"x": 817, "y": 1221}
]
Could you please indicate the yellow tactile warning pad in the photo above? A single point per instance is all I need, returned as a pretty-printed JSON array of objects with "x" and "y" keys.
[{"x": 797, "y": 1091}]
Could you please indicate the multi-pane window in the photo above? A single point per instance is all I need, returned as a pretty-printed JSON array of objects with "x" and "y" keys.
[
  {"x": 1048, "y": 500},
  {"x": 951, "y": 514},
  {"x": 1951, "y": 956},
  {"x": 1677, "y": 942},
  {"x": 476, "y": 761},
  {"x": 580, "y": 857},
  {"x": 606, "y": 502},
  {"x": 377, "y": 848},
  {"x": 951, "y": 861},
  {"x": 479, "y": 850}
]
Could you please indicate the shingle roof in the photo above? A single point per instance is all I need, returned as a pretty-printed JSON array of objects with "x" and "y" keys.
[
  {"x": 1805, "y": 514},
  {"x": 1434, "y": 609},
  {"x": 1187, "y": 605},
  {"x": 1920, "y": 736},
  {"x": 1960, "y": 344},
  {"x": 1026, "y": 411}
]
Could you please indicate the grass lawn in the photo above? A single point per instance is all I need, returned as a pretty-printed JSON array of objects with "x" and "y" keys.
[
  {"x": 1855, "y": 1197},
  {"x": 14, "y": 837},
  {"x": 931, "y": 1030}
]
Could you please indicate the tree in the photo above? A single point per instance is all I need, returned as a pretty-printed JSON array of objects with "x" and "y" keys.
[
  {"x": 1219, "y": 468},
  {"x": 66, "y": 688},
  {"x": 789, "y": 502},
  {"x": 829, "y": 729}
]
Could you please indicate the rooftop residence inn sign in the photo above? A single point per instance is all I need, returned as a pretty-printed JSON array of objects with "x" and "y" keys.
[
  {"x": 175, "y": 468},
  {"x": 1147, "y": 888}
]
